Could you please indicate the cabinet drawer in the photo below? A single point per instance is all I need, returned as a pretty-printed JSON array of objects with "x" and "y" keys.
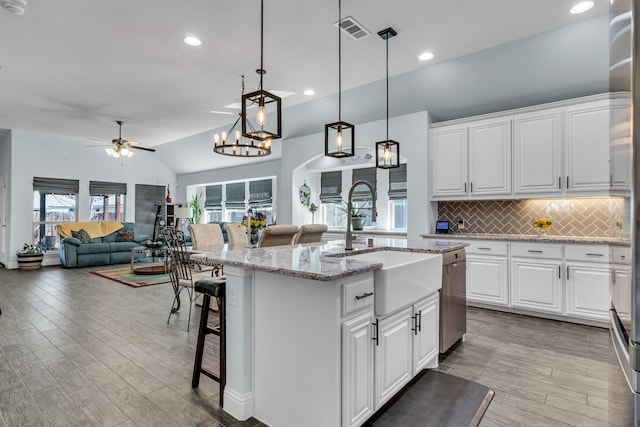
[
  {"x": 486, "y": 247},
  {"x": 536, "y": 250},
  {"x": 621, "y": 255},
  {"x": 589, "y": 253},
  {"x": 357, "y": 295}
]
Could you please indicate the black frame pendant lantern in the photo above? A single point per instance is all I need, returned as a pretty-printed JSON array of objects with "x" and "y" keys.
[
  {"x": 339, "y": 137},
  {"x": 388, "y": 151},
  {"x": 236, "y": 145},
  {"x": 256, "y": 128}
]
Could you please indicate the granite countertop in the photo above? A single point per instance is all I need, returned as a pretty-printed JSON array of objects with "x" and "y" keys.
[
  {"x": 323, "y": 261},
  {"x": 530, "y": 238}
]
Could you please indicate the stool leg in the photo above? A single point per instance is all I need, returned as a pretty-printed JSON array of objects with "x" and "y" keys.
[
  {"x": 223, "y": 347},
  {"x": 202, "y": 332}
]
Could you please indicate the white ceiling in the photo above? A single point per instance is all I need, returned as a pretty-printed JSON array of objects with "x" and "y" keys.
[{"x": 74, "y": 67}]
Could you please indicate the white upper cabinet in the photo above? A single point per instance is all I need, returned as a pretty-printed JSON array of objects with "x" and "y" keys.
[
  {"x": 559, "y": 149},
  {"x": 448, "y": 152},
  {"x": 490, "y": 157},
  {"x": 471, "y": 160},
  {"x": 587, "y": 148},
  {"x": 537, "y": 152}
]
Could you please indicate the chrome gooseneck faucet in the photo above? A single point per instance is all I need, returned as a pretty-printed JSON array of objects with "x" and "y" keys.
[{"x": 348, "y": 245}]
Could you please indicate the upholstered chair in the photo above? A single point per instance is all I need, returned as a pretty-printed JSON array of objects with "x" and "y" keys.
[
  {"x": 277, "y": 235},
  {"x": 236, "y": 234},
  {"x": 310, "y": 233},
  {"x": 205, "y": 236}
]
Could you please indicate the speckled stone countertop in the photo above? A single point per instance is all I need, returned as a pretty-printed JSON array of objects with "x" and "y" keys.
[
  {"x": 530, "y": 238},
  {"x": 324, "y": 261}
]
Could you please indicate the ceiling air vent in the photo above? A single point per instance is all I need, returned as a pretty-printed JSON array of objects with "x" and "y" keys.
[{"x": 353, "y": 28}]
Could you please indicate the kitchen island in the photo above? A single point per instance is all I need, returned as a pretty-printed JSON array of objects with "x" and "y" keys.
[{"x": 304, "y": 345}]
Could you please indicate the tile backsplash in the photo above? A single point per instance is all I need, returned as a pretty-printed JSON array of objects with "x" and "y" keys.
[{"x": 570, "y": 217}]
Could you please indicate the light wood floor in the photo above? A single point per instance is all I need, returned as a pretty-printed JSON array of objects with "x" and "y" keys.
[{"x": 77, "y": 349}]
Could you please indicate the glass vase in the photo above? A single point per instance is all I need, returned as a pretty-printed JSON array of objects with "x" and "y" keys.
[{"x": 254, "y": 237}]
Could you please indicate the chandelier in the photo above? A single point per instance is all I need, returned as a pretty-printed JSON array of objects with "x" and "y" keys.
[
  {"x": 340, "y": 131},
  {"x": 388, "y": 151},
  {"x": 239, "y": 146},
  {"x": 257, "y": 128}
]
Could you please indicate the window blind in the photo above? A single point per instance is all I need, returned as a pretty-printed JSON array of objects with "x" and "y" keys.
[
  {"x": 56, "y": 185},
  {"x": 398, "y": 183},
  {"x": 102, "y": 188},
  {"x": 213, "y": 197},
  {"x": 361, "y": 192},
  {"x": 235, "y": 195},
  {"x": 331, "y": 187},
  {"x": 260, "y": 193}
]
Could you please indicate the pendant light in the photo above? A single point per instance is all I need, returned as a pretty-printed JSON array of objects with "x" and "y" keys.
[
  {"x": 257, "y": 127},
  {"x": 388, "y": 151},
  {"x": 336, "y": 134},
  {"x": 240, "y": 147}
]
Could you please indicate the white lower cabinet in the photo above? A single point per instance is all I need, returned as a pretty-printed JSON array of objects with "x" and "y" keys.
[
  {"x": 357, "y": 365},
  {"x": 488, "y": 280},
  {"x": 537, "y": 285},
  {"x": 381, "y": 355},
  {"x": 587, "y": 291},
  {"x": 393, "y": 354}
]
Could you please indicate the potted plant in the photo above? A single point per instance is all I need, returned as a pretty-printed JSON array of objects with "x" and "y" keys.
[
  {"x": 357, "y": 218},
  {"x": 30, "y": 257},
  {"x": 196, "y": 209}
]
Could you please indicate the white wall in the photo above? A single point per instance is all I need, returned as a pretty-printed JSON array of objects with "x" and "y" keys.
[
  {"x": 5, "y": 176},
  {"x": 51, "y": 156}
]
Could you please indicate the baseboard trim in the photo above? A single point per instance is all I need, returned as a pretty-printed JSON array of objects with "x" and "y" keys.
[{"x": 239, "y": 406}]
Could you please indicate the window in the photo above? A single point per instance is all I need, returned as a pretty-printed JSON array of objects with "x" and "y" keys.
[
  {"x": 398, "y": 196},
  {"x": 213, "y": 203},
  {"x": 54, "y": 202},
  {"x": 235, "y": 202},
  {"x": 331, "y": 199},
  {"x": 107, "y": 200}
]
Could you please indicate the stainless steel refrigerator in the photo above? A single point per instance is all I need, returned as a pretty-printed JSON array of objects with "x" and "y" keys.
[{"x": 624, "y": 289}]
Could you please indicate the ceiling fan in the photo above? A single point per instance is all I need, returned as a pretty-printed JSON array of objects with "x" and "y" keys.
[{"x": 122, "y": 147}]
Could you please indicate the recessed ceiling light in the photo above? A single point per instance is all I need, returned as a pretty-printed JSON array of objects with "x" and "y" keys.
[
  {"x": 581, "y": 7},
  {"x": 220, "y": 112},
  {"x": 192, "y": 41},
  {"x": 425, "y": 56},
  {"x": 309, "y": 92}
]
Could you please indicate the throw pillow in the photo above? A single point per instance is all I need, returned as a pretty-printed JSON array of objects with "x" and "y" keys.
[
  {"x": 125, "y": 236},
  {"x": 82, "y": 235}
]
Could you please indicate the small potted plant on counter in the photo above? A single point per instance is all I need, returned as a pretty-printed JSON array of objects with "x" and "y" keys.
[
  {"x": 30, "y": 257},
  {"x": 357, "y": 218}
]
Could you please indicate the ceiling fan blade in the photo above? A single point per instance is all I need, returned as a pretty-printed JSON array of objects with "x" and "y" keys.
[
  {"x": 101, "y": 145},
  {"x": 100, "y": 140},
  {"x": 140, "y": 147}
]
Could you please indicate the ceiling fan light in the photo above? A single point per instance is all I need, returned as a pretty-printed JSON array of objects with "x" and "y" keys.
[{"x": 130, "y": 154}]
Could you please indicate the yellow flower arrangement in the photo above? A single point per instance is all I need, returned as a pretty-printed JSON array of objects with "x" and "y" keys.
[{"x": 542, "y": 223}]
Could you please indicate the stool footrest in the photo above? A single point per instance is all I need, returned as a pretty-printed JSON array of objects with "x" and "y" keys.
[
  {"x": 215, "y": 330},
  {"x": 210, "y": 374}
]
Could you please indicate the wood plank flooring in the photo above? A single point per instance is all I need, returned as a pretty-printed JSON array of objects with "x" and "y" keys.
[{"x": 77, "y": 349}]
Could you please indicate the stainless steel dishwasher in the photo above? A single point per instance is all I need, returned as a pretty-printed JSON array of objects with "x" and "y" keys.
[{"x": 453, "y": 299}]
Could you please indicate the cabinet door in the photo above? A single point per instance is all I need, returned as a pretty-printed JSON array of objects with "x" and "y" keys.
[
  {"x": 537, "y": 149},
  {"x": 357, "y": 370},
  {"x": 536, "y": 285},
  {"x": 587, "y": 148},
  {"x": 426, "y": 341},
  {"x": 621, "y": 170},
  {"x": 490, "y": 157},
  {"x": 588, "y": 292},
  {"x": 488, "y": 280},
  {"x": 393, "y": 355},
  {"x": 621, "y": 291},
  {"x": 448, "y": 154}
]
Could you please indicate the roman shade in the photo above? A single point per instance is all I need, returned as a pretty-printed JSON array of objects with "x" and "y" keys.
[
  {"x": 102, "y": 188},
  {"x": 213, "y": 197},
  {"x": 260, "y": 193},
  {"x": 361, "y": 193},
  {"x": 398, "y": 183},
  {"x": 235, "y": 196},
  {"x": 56, "y": 185},
  {"x": 331, "y": 187}
]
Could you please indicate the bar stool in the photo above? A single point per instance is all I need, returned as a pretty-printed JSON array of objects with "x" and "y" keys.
[{"x": 211, "y": 288}]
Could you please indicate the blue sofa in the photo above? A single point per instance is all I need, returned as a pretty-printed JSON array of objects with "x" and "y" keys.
[{"x": 103, "y": 251}]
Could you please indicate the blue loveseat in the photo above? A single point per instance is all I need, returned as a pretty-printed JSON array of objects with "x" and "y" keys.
[{"x": 102, "y": 251}]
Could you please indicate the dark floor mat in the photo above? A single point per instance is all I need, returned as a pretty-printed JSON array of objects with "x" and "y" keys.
[{"x": 437, "y": 399}]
